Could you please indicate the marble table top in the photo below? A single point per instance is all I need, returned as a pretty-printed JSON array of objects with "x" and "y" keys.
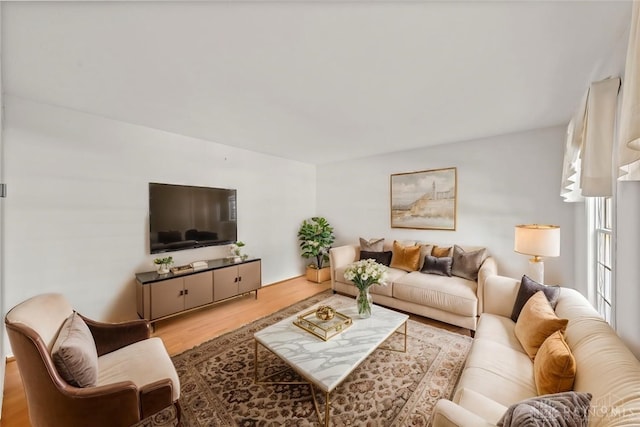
[{"x": 328, "y": 363}]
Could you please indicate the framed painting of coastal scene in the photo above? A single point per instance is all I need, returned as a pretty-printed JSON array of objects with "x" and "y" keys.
[{"x": 424, "y": 200}]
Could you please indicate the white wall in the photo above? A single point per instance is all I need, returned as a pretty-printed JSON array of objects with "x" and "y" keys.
[
  {"x": 502, "y": 181},
  {"x": 77, "y": 213}
]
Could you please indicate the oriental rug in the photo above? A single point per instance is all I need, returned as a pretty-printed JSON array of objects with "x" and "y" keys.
[{"x": 388, "y": 389}]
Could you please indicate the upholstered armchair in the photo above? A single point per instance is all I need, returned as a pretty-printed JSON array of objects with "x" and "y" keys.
[{"x": 78, "y": 372}]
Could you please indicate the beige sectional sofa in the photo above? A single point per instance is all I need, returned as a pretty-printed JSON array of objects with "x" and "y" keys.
[
  {"x": 498, "y": 373},
  {"x": 454, "y": 300}
]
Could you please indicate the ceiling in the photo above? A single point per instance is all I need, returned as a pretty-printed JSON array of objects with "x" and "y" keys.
[{"x": 315, "y": 81}]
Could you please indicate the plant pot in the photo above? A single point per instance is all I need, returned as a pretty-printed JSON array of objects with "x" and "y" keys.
[{"x": 318, "y": 275}]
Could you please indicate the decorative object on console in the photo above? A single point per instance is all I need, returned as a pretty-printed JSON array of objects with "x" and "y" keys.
[
  {"x": 236, "y": 252},
  {"x": 164, "y": 264},
  {"x": 363, "y": 274},
  {"x": 424, "y": 200},
  {"x": 316, "y": 237},
  {"x": 539, "y": 241}
]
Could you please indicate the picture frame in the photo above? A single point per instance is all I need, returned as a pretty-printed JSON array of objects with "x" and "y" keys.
[{"x": 425, "y": 199}]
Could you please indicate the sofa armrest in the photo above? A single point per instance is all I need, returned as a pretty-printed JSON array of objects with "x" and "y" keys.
[
  {"x": 449, "y": 414},
  {"x": 112, "y": 336},
  {"x": 341, "y": 256},
  {"x": 499, "y": 295},
  {"x": 488, "y": 268}
]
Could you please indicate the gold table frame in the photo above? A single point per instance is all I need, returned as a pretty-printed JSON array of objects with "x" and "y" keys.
[{"x": 309, "y": 382}]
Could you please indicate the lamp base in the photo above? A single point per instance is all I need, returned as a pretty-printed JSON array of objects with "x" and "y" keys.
[{"x": 536, "y": 270}]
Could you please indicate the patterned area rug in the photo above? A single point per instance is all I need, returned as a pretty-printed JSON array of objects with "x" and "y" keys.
[{"x": 388, "y": 389}]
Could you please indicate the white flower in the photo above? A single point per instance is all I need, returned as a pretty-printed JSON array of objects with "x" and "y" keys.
[{"x": 365, "y": 273}]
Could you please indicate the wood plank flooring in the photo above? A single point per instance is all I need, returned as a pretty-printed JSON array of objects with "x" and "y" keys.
[{"x": 183, "y": 332}]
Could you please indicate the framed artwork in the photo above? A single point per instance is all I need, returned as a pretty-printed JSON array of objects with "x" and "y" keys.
[{"x": 424, "y": 200}]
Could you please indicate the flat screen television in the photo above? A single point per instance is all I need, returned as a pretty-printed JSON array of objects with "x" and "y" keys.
[{"x": 186, "y": 217}]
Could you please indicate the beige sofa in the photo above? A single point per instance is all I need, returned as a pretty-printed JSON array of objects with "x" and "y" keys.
[
  {"x": 498, "y": 373},
  {"x": 452, "y": 300}
]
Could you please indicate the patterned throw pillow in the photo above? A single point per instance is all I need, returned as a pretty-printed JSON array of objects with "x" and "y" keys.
[{"x": 569, "y": 409}]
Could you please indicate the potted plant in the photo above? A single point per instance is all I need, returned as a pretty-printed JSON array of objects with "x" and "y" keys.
[
  {"x": 164, "y": 264},
  {"x": 236, "y": 252},
  {"x": 316, "y": 237}
]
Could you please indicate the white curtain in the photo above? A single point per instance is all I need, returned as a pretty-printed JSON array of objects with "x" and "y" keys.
[
  {"x": 629, "y": 129},
  {"x": 587, "y": 168}
]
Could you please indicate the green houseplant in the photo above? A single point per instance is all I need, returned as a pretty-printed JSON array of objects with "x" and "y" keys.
[
  {"x": 164, "y": 264},
  {"x": 316, "y": 237}
]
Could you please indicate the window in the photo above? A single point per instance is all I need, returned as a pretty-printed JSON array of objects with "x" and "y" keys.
[{"x": 603, "y": 259}]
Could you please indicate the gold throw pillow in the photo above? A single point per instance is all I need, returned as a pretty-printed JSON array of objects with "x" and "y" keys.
[
  {"x": 554, "y": 367},
  {"x": 440, "y": 252},
  {"x": 405, "y": 258},
  {"x": 536, "y": 322}
]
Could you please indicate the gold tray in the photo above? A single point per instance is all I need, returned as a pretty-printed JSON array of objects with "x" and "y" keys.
[{"x": 324, "y": 329}]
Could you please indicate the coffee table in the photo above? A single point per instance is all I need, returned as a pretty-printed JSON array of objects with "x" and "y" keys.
[{"x": 325, "y": 364}]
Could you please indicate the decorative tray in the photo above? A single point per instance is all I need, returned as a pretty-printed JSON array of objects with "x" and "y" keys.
[{"x": 324, "y": 329}]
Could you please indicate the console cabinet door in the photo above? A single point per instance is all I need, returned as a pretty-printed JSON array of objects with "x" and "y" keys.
[
  {"x": 198, "y": 290},
  {"x": 167, "y": 297},
  {"x": 225, "y": 283},
  {"x": 249, "y": 277}
]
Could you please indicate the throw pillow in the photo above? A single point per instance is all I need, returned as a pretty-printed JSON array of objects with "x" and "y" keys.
[
  {"x": 528, "y": 287},
  {"x": 440, "y": 266},
  {"x": 405, "y": 257},
  {"x": 536, "y": 322},
  {"x": 74, "y": 353},
  {"x": 554, "y": 367},
  {"x": 569, "y": 409},
  {"x": 467, "y": 264},
  {"x": 371, "y": 245},
  {"x": 383, "y": 258},
  {"x": 425, "y": 249},
  {"x": 439, "y": 252}
]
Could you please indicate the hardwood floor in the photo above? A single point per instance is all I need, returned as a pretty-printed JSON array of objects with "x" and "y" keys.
[{"x": 183, "y": 332}]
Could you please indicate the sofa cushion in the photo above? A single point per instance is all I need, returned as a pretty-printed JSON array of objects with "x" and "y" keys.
[
  {"x": 74, "y": 353},
  {"x": 405, "y": 257},
  {"x": 467, "y": 264},
  {"x": 554, "y": 367},
  {"x": 499, "y": 329},
  {"x": 453, "y": 294},
  {"x": 567, "y": 409},
  {"x": 536, "y": 322},
  {"x": 439, "y": 251},
  {"x": 440, "y": 266},
  {"x": 501, "y": 373},
  {"x": 528, "y": 287},
  {"x": 372, "y": 245},
  {"x": 383, "y": 258},
  {"x": 143, "y": 363}
]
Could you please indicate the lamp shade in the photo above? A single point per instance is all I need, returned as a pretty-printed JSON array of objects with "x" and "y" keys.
[{"x": 538, "y": 240}]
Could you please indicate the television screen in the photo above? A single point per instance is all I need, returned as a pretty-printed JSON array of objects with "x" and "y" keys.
[{"x": 187, "y": 217}]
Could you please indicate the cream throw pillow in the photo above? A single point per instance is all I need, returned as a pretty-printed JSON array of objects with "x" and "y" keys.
[
  {"x": 371, "y": 245},
  {"x": 554, "y": 367},
  {"x": 537, "y": 321}
]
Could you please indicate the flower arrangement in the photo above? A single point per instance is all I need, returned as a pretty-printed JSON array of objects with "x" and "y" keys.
[
  {"x": 363, "y": 274},
  {"x": 164, "y": 264},
  {"x": 234, "y": 249}
]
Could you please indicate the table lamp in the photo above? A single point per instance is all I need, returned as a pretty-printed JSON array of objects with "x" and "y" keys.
[{"x": 539, "y": 241}]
